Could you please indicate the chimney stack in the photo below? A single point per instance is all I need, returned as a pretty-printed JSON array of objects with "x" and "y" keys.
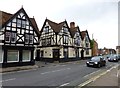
[{"x": 72, "y": 24}]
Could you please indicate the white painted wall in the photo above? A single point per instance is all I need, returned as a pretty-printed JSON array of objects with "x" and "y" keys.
[{"x": 71, "y": 52}]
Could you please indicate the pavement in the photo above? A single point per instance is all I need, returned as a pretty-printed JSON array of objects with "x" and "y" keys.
[{"x": 107, "y": 79}]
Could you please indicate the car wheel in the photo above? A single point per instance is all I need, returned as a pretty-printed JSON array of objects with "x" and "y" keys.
[
  {"x": 104, "y": 65},
  {"x": 88, "y": 65},
  {"x": 99, "y": 66}
]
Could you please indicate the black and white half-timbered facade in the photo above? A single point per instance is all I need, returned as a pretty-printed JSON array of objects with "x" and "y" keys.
[
  {"x": 58, "y": 42},
  {"x": 87, "y": 51},
  {"x": 76, "y": 40},
  {"x": 19, "y": 36}
]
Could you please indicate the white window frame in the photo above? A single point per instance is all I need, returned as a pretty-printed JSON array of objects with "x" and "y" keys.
[
  {"x": 29, "y": 56},
  {"x": 17, "y": 59}
]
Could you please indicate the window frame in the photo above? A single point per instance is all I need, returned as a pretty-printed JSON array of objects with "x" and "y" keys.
[
  {"x": 17, "y": 54},
  {"x": 29, "y": 56}
]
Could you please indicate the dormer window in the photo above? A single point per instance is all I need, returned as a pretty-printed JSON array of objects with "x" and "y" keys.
[
  {"x": 86, "y": 39},
  {"x": 65, "y": 39},
  {"x": 46, "y": 30},
  {"x": 65, "y": 30}
]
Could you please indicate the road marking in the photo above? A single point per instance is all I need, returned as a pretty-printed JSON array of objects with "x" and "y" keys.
[
  {"x": 8, "y": 80},
  {"x": 91, "y": 73},
  {"x": 117, "y": 73},
  {"x": 65, "y": 84},
  {"x": 56, "y": 66},
  {"x": 55, "y": 71}
]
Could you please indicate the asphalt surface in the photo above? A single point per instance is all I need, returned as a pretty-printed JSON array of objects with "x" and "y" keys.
[{"x": 66, "y": 74}]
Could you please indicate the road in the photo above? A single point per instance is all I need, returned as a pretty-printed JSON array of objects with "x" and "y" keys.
[{"x": 65, "y": 74}]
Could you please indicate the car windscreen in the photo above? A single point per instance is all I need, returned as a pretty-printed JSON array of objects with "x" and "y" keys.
[{"x": 95, "y": 59}]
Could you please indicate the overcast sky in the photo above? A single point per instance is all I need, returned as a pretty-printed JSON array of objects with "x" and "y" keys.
[{"x": 99, "y": 17}]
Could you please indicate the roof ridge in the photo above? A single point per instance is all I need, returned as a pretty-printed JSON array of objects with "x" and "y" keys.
[{"x": 6, "y": 12}]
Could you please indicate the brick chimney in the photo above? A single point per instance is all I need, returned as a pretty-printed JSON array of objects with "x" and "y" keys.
[{"x": 72, "y": 24}]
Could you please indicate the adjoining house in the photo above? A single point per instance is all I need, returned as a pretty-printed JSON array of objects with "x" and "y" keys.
[
  {"x": 87, "y": 51},
  {"x": 19, "y": 36},
  {"x": 117, "y": 49},
  {"x": 106, "y": 51},
  {"x": 94, "y": 47},
  {"x": 59, "y": 42}
]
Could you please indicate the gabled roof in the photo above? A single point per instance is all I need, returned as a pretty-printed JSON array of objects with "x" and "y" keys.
[
  {"x": 55, "y": 26},
  {"x": 117, "y": 47},
  {"x": 6, "y": 17},
  {"x": 74, "y": 30},
  {"x": 83, "y": 34}
]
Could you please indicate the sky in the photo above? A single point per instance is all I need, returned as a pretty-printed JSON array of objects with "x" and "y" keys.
[{"x": 99, "y": 17}]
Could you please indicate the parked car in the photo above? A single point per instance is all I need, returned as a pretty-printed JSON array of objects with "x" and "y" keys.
[
  {"x": 97, "y": 61},
  {"x": 113, "y": 58},
  {"x": 118, "y": 56}
]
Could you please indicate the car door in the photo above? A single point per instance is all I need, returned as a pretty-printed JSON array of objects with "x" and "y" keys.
[{"x": 101, "y": 61}]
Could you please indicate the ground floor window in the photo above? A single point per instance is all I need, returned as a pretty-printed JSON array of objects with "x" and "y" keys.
[
  {"x": 12, "y": 56},
  {"x": 26, "y": 55},
  {"x": 65, "y": 52},
  {"x": 1, "y": 56},
  {"x": 87, "y": 51}
]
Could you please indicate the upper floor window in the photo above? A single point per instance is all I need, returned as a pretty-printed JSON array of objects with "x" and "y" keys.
[
  {"x": 18, "y": 23},
  {"x": 86, "y": 39},
  {"x": 21, "y": 23},
  {"x": 7, "y": 36},
  {"x": 65, "y": 39},
  {"x": 28, "y": 38},
  {"x": 13, "y": 37},
  {"x": 10, "y": 36},
  {"x": 65, "y": 30},
  {"x": 77, "y": 41},
  {"x": 46, "y": 41},
  {"x": 31, "y": 38},
  {"x": 87, "y": 44},
  {"x": 43, "y": 42},
  {"x": 46, "y": 30}
]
